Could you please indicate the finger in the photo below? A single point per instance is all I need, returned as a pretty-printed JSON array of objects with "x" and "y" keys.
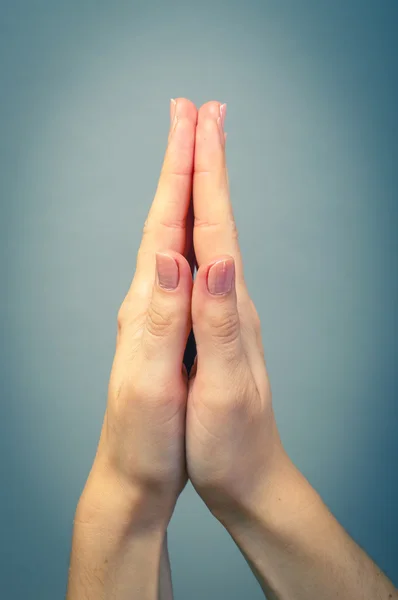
[
  {"x": 168, "y": 320},
  {"x": 215, "y": 230},
  {"x": 165, "y": 226},
  {"x": 215, "y": 318}
]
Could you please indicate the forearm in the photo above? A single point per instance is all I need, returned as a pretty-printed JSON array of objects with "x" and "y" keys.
[
  {"x": 297, "y": 549},
  {"x": 119, "y": 547}
]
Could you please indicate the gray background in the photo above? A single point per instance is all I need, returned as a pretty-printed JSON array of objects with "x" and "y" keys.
[{"x": 312, "y": 93}]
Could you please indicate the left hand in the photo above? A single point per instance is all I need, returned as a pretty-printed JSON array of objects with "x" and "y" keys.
[{"x": 232, "y": 439}]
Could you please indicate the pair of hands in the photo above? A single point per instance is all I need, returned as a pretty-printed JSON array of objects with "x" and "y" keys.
[{"x": 214, "y": 425}]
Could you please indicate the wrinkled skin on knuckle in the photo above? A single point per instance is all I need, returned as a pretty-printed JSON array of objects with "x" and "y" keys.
[
  {"x": 223, "y": 326},
  {"x": 160, "y": 321},
  {"x": 214, "y": 226}
]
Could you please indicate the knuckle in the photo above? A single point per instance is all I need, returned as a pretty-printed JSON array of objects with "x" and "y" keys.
[
  {"x": 214, "y": 226},
  {"x": 174, "y": 169},
  {"x": 224, "y": 326},
  {"x": 172, "y": 223},
  {"x": 200, "y": 223},
  {"x": 160, "y": 321}
]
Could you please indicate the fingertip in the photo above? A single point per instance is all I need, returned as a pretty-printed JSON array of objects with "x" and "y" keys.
[
  {"x": 209, "y": 110},
  {"x": 210, "y": 142},
  {"x": 186, "y": 109}
]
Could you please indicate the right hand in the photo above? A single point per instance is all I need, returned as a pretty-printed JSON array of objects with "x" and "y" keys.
[{"x": 142, "y": 443}]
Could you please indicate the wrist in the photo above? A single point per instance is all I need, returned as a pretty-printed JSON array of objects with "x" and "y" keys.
[
  {"x": 110, "y": 501},
  {"x": 119, "y": 540},
  {"x": 280, "y": 495},
  {"x": 118, "y": 544}
]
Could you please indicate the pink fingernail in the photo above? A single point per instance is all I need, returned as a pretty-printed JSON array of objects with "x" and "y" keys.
[
  {"x": 173, "y": 109},
  {"x": 168, "y": 271},
  {"x": 220, "y": 277},
  {"x": 221, "y": 121},
  {"x": 223, "y": 114}
]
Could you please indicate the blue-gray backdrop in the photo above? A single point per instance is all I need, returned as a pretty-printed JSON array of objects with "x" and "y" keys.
[{"x": 312, "y": 120}]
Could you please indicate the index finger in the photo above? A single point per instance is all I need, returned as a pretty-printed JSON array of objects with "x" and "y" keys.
[{"x": 215, "y": 232}]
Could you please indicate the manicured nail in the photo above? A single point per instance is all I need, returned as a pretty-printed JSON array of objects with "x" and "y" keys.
[
  {"x": 167, "y": 270},
  {"x": 221, "y": 121},
  {"x": 223, "y": 114},
  {"x": 221, "y": 277},
  {"x": 173, "y": 110}
]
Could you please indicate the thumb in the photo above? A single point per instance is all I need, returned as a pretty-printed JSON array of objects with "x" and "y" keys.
[
  {"x": 215, "y": 317},
  {"x": 168, "y": 319}
]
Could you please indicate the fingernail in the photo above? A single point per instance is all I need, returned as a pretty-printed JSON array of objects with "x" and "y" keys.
[
  {"x": 223, "y": 114},
  {"x": 221, "y": 276},
  {"x": 221, "y": 121},
  {"x": 167, "y": 270},
  {"x": 173, "y": 110}
]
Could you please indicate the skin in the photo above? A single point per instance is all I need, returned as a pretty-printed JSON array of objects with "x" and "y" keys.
[{"x": 216, "y": 426}]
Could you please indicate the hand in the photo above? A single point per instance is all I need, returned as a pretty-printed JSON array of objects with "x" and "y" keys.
[
  {"x": 232, "y": 440},
  {"x": 142, "y": 441}
]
